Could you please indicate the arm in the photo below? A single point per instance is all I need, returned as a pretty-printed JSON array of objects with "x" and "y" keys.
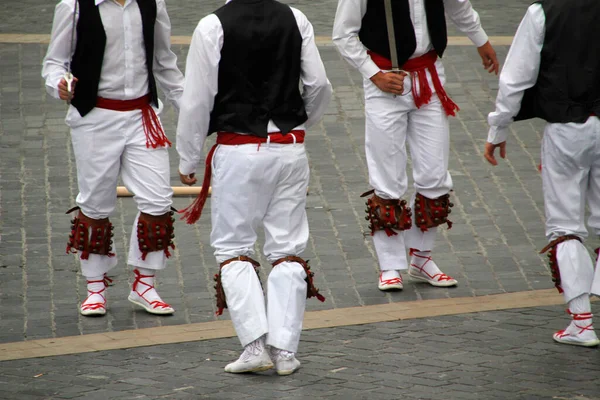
[
  {"x": 347, "y": 23},
  {"x": 466, "y": 19},
  {"x": 168, "y": 76},
  {"x": 348, "y": 20},
  {"x": 201, "y": 86},
  {"x": 59, "y": 54},
  {"x": 317, "y": 90},
  {"x": 520, "y": 73}
]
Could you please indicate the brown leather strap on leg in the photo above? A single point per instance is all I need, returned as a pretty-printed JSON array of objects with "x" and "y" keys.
[
  {"x": 389, "y": 215},
  {"x": 155, "y": 233},
  {"x": 553, "y": 261},
  {"x": 430, "y": 213},
  {"x": 90, "y": 236},
  {"x": 220, "y": 295},
  {"x": 311, "y": 290}
]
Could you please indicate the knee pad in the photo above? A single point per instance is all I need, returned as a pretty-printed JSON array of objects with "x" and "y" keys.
[
  {"x": 90, "y": 236},
  {"x": 387, "y": 215}
]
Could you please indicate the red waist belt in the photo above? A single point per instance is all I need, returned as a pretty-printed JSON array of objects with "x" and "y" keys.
[
  {"x": 155, "y": 135},
  {"x": 417, "y": 68},
  {"x": 192, "y": 213}
]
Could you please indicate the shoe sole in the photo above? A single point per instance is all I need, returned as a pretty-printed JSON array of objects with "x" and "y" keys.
[
  {"x": 390, "y": 288},
  {"x": 151, "y": 310},
  {"x": 574, "y": 343},
  {"x": 93, "y": 313},
  {"x": 261, "y": 368},
  {"x": 287, "y": 372},
  {"x": 433, "y": 283}
]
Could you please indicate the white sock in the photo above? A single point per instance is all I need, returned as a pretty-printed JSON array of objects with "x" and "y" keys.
[
  {"x": 96, "y": 285},
  {"x": 390, "y": 274},
  {"x": 257, "y": 347},
  {"x": 580, "y": 305},
  {"x": 144, "y": 285}
]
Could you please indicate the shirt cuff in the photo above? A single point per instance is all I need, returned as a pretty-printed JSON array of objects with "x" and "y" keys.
[
  {"x": 369, "y": 68},
  {"x": 497, "y": 134},
  {"x": 479, "y": 38},
  {"x": 187, "y": 167}
]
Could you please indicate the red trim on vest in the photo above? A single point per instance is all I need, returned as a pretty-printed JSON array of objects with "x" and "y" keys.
[
  {"x": 192, "y": 213},
  {"x": 155, "y": 135},
  {"x": 417, "y": 67}
]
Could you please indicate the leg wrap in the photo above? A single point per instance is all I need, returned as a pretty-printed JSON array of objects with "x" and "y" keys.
[
  {"x": 155, "y": 233},
  {"x": 554, "y": 267},
  {"x": 311, "y": 290},
  {"x": 90, "y": 236},
  {"x": 387, "y": 215},
  {"x": 220, "y": 295},
  {"x": 432, "y": 212}
]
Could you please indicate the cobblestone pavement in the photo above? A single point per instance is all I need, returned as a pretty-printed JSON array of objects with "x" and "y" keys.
[
  {"x": 35, "y": 16},
  {"x": 493, "y": 355},
  {"x": 492, "y": 248}
]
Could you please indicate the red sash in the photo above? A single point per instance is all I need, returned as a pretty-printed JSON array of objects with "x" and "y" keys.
[
  {"x": 418, "y": 67},
  {"x": 192, "y": 213}
]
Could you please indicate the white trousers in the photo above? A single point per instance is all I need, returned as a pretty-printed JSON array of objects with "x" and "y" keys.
[
  {"x": 571, "y": 179},
  {"x": 254, "y": 186},
  {"x": 391, "y": 122},
  {"x": 107, "y": 143}
]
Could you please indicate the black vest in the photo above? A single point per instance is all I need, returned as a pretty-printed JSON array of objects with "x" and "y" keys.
[
  {"x": 373, "y": 32},
  {"x": 259, "y": 70},
  {"x": 568, "y": 83},
  {"x": 89, "y": 52}
]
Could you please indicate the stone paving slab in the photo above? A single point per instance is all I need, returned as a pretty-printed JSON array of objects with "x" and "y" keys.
[
  {"x": 490, "y": 355},
  {"x": 492, "y": 247},
  {"x": 35, "y": 16}
]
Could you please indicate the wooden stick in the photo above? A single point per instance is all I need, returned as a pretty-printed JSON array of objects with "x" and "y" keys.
[{"x": 177, "y": 191}]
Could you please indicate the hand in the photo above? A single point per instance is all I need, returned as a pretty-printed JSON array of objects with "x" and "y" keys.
[
  {"x": 63, "y": 93},
  {"x": 488, "y": 57},
  {"x": 389, "y": 82},
  {"x": 188, "y": 179},
  {"x": 491, "y": 148}
]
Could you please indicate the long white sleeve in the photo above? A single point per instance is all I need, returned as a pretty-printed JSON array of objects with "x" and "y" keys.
[
  {"x": 519, "y": 73},
  {"x": 166, "y": 72},
  {"x": 59, "y": 54},
  {"x": 347, "y": 23},
  {"x": 200, "y": 89},
  {"x": 466, "y": 19},
  {"x": 317, "y": 90}
]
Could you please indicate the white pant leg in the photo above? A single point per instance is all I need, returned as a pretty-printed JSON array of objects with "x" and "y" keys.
[
  {"x": 576, "y": 269},
  {"x": 243, "y": 182},
  {"x": 145, "y": 173},
  {"x": 385, "y": 149},
  {"x": 429, "y": 144},
  {"x": 566, "y": 161},
  {"x": 286, "y": 233},
  {"x": 286, "y": 305},
  {"x": 593, "y": 196},
  {"x": 285, "y": 222},
  {"x": 245, "y": 301},
  {"x": 567, "y": 157},
  {"x": 98, "y": 141}
]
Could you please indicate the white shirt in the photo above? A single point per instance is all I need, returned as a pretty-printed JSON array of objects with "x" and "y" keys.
[
  {"x": 348, "y": 20},
  {"x": 124, "y": 74},
  {"x": 201, "y": 86},
  {"x": 519, "y": 73}
]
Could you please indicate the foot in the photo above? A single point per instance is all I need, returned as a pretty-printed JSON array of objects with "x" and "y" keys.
[
  {"x": 424, "y": 269},
  {"x": 255, "y": 358},
  {"x": 580, "y": 332},
  {"x": 390, "y": 280},
  {"x": 144, "y": 294},
  {"x": 285, "y": 361},
  {"x": 95, "y": 302}
]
